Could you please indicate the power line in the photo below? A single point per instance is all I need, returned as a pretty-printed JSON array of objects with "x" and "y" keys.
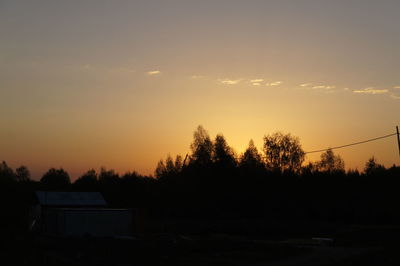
[{"x": 352, "y": 144}]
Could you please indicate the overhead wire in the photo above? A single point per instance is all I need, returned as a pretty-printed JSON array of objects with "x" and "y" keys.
[{"x": 351, "y": 144}]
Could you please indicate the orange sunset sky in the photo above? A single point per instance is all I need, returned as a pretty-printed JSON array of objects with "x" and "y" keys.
[{"x": 122, "y": 84}]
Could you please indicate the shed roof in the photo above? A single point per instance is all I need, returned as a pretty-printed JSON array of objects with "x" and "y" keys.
[{"x": 52, "y": 198}]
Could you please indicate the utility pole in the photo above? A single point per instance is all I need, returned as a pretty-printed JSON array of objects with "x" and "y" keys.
[
  {"x": 398, "y": 138},
  {"x": 187, "y": 155}
]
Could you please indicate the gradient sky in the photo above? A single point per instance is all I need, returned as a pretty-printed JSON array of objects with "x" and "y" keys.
[{"x": 122, "y": 84}]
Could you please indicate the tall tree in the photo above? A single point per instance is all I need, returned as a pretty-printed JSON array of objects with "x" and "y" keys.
[
  {"x": 202, "y": 147},
  {"x": 169, "y": 165},
  {"x": 331, "y": 163},
  {"x": 283, "y": 152},
  {"x": 251, "y": 158},
  {"x": 223, "y": 155},
  {"x": 161, "y": 170}
]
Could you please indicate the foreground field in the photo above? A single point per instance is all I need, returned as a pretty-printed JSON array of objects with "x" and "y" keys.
[{"x": 284, "y": 245}]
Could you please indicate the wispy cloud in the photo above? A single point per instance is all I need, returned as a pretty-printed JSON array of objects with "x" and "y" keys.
[
  {"x": 256, "y": 80},
  {"x": 229, "y": 81},
  {"x": 275, "y": 83},
  {"x": 153, "y": 72},
  {"x": 326, "y": 87},
  {"x": 396, "y": 87},
  {"x": 306, "y": 85},
  {"x": 318, "y": 87},
  {"x": 196, "y": 76},
  {"x": 371, "y": 90}
]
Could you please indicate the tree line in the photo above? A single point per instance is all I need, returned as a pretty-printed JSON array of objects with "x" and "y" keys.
[
  {"x": 213, "y": 181},
  {"x": 281, "y": 153}
]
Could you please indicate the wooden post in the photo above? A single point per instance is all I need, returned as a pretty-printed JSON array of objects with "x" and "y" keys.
[{"x": 398, "y": 138}]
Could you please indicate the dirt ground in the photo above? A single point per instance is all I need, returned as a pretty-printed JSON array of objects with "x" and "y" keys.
[{"x": 350, "y": 246}]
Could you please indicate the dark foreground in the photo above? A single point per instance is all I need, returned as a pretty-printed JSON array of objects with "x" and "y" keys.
[{"x": 217, "y": 243}]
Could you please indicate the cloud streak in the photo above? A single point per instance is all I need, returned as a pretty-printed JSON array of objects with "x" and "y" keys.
[
  {"x": 256, "y": 82},
  {"x": 306, "y": 85},
  {"x": 153, "y": 72},
  {"x": 275, "y": 83},
  {"x": 311, "y": 86},
  {"x": 229, "y": 81},
  {"x": 325, "y": 87},
  {"x": 371, "y": 90}
]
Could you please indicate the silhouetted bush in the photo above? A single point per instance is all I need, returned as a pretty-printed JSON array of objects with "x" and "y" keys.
[{"x": 56, "y": 179}]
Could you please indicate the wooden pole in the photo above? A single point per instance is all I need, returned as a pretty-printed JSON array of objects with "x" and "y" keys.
[{"x": 398, "y": 138}]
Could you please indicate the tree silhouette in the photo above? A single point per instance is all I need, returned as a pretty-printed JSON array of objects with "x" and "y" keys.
[
  {"x": 87, "y": 180},
  {"x": 55, "y": 178},
  {"x": 168, "y": 168},
  {"x": 178, "y": 162},
  {"x": 201, "y": 147},
  {"x": 108, "y": 177},
  {"x": 353, "y": 173},
  {"x": 6, "y": 173},
  {"x": 331, "y": 162},
  {"x": 251, "y": 158},
  {"x": 223, "y": 155},
  {"x": 169, "y": 165},
  {"x": 22, "y": 174},
  {"x": 372, "y": 167},
  {"x": 161, "y": 170},
  {"x": 283, "y": 152}
]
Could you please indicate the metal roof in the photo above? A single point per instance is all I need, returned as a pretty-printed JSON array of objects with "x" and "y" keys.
[
  {"x": 89, "y": 209},
  {"x": 51, "y": 198}
]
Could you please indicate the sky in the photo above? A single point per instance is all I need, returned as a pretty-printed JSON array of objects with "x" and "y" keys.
[{"x": 122, "y": 84}]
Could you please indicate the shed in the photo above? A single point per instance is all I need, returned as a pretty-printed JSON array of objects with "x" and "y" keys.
[{"x": 79, "y": 214}]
